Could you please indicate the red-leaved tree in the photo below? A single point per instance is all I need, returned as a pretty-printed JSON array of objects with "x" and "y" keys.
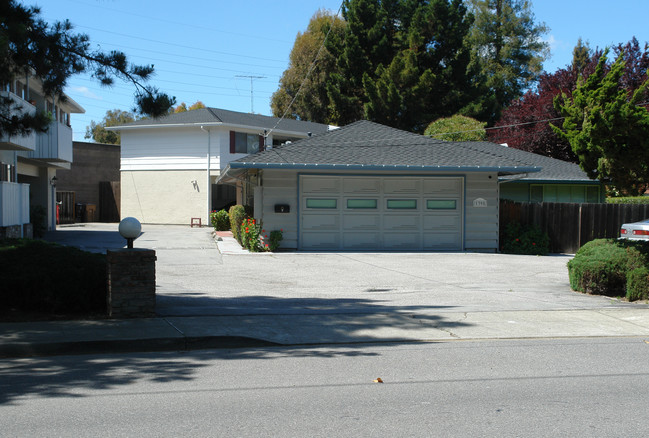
[{"x": 525, "y": 124}]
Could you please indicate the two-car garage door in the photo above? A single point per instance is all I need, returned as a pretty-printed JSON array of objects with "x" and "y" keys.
[{"x": 381, "y": 213}]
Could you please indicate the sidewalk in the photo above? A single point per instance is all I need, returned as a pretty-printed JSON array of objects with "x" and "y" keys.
[{"x": 251, "y": 331}]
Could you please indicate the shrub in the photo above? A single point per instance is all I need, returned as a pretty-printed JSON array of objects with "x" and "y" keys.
[
  {"x": 237, "y": 214},
  {"x": 600, "y": 267},
  {"x": 270, "y": 242},
  {"x": 637, "y": 284},
  {"x": 220, "y": 220},
  {"x": 38, "y": 276},
  {"x": 529, "y": 239}
]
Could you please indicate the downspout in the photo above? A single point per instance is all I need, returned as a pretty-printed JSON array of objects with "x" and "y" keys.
[{"x": 209, "y": 183}]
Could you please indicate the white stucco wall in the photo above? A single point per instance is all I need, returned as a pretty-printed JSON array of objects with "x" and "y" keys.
[{"x": 165, "y": 197}]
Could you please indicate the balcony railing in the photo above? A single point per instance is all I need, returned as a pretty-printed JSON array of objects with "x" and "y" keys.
[
  {"x": 17, "y": 142},
  {"x": 55, "y": 144},
  {"x": 14, "y": 204}
]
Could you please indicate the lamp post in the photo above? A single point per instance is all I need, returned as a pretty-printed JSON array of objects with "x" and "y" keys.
[{"x": 130, "y": 229}]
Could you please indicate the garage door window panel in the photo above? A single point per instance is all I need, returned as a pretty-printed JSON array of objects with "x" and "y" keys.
[
  {"x": 441, "y": 204},
  {"x": 401, "y": 204},
  {"x": 327, "y": 204},
  {"x": 362, "y": 204}
]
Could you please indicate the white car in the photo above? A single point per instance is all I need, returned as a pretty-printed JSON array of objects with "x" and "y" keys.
[{"x": 635, "y": 230}]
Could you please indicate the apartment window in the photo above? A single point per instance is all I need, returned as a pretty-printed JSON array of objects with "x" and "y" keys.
[
  {"x": 243, "y": 143},
  {"x": 6, "y": 172}
]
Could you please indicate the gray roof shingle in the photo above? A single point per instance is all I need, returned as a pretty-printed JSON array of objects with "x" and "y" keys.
[
  {"x": 216, "y": 115},
  {"x": 369, "y": 145}
]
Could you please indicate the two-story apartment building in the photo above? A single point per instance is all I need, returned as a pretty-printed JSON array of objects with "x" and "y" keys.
[
  {"x": 28, "y": 163},
  {"x": 169, "y": 166}
]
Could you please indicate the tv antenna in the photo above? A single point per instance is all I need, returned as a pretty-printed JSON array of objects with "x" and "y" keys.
[{"x": 251, "y": 77}]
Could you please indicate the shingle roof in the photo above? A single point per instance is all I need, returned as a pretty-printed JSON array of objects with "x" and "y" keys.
[
  {"x": 216, "y": 115},
  {"x": 552, "y": 169},
  {"x": 368, "y": 145}
]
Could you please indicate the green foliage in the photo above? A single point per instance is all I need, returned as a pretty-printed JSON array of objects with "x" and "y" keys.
[
  {"x": 237, "y": 214},
  {"x": 607, "y": 129},
  {"x": 250, "y": 233},
  {"x": 38, "y": 216},
  {"x": 637, "y": 284},
  {"x": 98, "y": 132},
  {"x": 457, "y": 128},
  {"x": 271, "y": 242},
  {"x": 507, "y": 50},
  {"x": 54, "y": 53},
  {"x": 529, "y": 240},
  {"x": 628, "y": 200},
  {"x": 220, "y": 220},
  {"x": 601, "y": 266},
  {"x": 51, "y": 279},
  {"x": 304, "y": 82}
]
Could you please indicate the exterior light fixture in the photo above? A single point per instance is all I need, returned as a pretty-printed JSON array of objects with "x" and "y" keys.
[
  {"x": 130, "y": 229},
  {"x": 53, "y": 181}
]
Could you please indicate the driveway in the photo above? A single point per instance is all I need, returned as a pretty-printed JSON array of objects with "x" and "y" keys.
[{"x": 195, "y": 278}]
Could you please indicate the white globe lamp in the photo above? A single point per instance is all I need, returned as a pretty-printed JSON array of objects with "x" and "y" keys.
[{"x": 130, "y": 229}]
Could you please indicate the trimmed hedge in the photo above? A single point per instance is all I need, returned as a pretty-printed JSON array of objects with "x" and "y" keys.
[
  {"x": 50, "y": 279},
  {"x": 237, "y": 214},
  {"x": 628, "y": 200},
  {"x": 604, "y": 267}
]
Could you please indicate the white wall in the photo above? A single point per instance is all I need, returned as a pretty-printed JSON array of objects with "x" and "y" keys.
[
  {"x": 481, "y": 223},
  {"x": 170, "y": 149}
]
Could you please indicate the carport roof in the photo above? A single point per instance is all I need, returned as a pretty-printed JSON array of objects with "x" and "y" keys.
[{"x": 365, "y": 145}]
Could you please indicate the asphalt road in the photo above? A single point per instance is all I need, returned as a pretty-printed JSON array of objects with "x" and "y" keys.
[{"x": 576, "y": 387}]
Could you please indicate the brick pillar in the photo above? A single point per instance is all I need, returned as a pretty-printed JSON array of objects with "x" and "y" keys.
[{"x": 131, "y": 283}]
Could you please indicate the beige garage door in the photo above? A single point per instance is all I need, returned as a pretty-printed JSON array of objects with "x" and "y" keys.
[{"x": 381, "y": 213}]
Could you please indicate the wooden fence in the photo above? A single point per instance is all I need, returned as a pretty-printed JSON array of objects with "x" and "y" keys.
[{"x": 572, "y": 225}]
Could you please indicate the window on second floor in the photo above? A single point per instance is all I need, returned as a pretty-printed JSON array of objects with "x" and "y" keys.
[{"x": 243, "y": 143}]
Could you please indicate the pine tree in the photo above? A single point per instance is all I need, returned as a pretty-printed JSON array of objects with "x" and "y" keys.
[
  {"x": 54, "y": 53},
  {"x": 507, "y": 50}
]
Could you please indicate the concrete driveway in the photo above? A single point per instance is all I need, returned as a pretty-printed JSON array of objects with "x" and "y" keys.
[
  {"x": 195, "y": 278},
  {"x": 208, "y": 291}
]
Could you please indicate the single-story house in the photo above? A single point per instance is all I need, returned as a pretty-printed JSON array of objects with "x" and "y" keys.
[
  {"x": 367, "y": 186},
  {"x": 558, "y": 181},
  {"x": 169, "y": 165}
]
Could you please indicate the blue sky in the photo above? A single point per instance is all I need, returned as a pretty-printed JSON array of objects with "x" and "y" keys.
[{"x": 201, "y": 49}]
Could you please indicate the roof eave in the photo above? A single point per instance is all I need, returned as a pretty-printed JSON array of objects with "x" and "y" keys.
[{"x": 502, "y": 170}]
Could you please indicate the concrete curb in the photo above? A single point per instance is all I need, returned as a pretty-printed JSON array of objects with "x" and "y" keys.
[{"x": 21, "y": 350}]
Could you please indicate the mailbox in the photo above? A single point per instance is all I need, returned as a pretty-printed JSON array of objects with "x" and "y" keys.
[{"x": 282, "y": 208}]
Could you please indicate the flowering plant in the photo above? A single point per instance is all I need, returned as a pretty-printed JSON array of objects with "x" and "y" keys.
[
  {"x": 250, "y": 232},
  {"x": 270, "y": 242}
]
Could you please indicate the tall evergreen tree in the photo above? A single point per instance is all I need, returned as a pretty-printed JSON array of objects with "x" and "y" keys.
[
  {"x": 401, "y": 63},
  {"x": 607, "y": 129},
  {"x": 507, "y": 50},
  {"x": 53, "y": 53}
]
